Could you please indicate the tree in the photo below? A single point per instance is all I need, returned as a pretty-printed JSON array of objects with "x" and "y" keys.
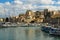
[{"x": 7, "y": 19}]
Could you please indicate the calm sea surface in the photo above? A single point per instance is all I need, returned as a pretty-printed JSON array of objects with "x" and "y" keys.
[{"x": 25, "y": 33}]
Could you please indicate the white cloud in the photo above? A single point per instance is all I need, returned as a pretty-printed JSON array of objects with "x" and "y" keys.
[
  {"x": 47, "y": 2},
  {"x": 38, "y": 1},
  {"x": 20, "y": 6},
  {"x": 58, "y": 2},
  {"x": 18, "y": 2},
  {"x": 7, "y": 3}
]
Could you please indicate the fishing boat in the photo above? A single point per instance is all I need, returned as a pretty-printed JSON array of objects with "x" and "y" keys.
[
  {"x": 46, "y": 28},
  {"x": 54, "y": 31}
]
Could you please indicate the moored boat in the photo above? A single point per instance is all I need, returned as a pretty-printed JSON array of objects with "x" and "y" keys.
[
  {"x": 46, "y": 28},
  {"x": 8, "y": 24},
  {"x": 54, "y": 31}
]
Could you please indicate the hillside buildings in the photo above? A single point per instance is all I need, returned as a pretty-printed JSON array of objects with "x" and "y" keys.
[{"x": 44, "y": 16}]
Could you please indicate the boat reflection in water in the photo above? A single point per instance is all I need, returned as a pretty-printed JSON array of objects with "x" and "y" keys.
[{"x": 25, "y": 33}]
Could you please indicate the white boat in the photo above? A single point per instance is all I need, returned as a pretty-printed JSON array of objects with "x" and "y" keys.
[{"x": 8, "y": 24}]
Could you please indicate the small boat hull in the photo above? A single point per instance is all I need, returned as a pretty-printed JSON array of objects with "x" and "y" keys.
[
  {"x": 54, "y": 31},
  {"x": 45, "y": 29}
]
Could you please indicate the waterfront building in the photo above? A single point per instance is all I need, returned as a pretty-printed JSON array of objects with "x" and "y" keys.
[
  {"x": 55, "y": 18},
  {"x": 39, "y": 16},
  {"x": 37, "y": 13},
  {"x": 21, "y": 18},
  {"x": 47, "y": 15},
  {"x": 45, "y": 12},
  {"x": 13, "y": 19},
  {"x": 30, "y": 15},
  {"x": 1, "y": 20}
]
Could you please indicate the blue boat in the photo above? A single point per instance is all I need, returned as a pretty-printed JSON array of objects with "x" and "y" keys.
[
  {"x": 54, "y": 31},
  {"x": 46, "y": 28}
]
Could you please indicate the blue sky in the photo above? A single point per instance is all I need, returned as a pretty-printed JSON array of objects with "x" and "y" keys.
[
  {"x": 15, "y": 7},
  {"x": 3, "y": 1}
]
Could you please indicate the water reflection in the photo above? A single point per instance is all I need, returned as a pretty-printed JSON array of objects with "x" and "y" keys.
[
  {"x": 7, "y": 34},
  {"x": 25, "y": 33}
]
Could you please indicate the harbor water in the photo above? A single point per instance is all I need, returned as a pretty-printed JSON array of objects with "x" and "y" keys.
[{"x": 25, "y": 33}]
